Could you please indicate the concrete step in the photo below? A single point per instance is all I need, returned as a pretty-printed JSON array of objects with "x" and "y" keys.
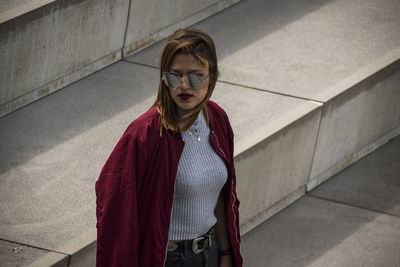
[
  {"x": 287, "y": 136},
  {"x": 46, "y": 45},
  {"x": 10, "y": 9},
  {"x": 300, "y": 49},
  {"x": 372, "y": 183},
  {"x": 351, "y": 220}
]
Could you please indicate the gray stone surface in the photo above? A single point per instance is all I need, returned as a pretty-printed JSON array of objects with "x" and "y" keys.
[
  {"x": 163, "y": 14},
  {"x": 354, "y": 122},
  {"x": 372, "y": 183},
  {"x": 146, "y": 27},
  {"x": 56, "y": 40},
  {"x": 12, "y": 254},
  {"x": 250, "y": 110},
  {"x": 275, "y": 168},
  {"x": 10, "y": 4},
  {"x": 52, "y": 152},
  {"x": 315, "y": 232},
  {"x": 297, "y": 48},
  {"x": 10, "y": 9}
]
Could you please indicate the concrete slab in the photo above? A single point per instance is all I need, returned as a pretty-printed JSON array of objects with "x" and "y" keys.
[
  {"x": 10, "y": 9},
  {"x": 298, "y": 49},
  {"x": 142, "y": 23},
  {"x": 13, "y": 254},
  {"x": 59, "y": 39},
  {"x": 146, "y": 27},
  {"x": 274, "y": 131},
  {"x": 256, "y": 114},
  {"x": 53, "y": 151},
  {"x": 315, "y": 232},
  {"x": 372, "y": 183},
  {"x": 356, "y": 122},
  {"x": 275, "y": 170}
]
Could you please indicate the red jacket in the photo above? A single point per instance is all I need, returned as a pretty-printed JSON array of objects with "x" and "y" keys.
[{"x": 136, "y": 186}]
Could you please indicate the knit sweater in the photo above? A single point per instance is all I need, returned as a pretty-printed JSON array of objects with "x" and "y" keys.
[{"x": 200, "y": 178}]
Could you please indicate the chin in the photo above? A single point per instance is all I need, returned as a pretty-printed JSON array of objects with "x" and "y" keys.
[{"x": 186, "y": 107}]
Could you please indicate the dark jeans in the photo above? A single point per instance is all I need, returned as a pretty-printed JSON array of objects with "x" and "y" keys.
[{"x": 186, "y": 258}]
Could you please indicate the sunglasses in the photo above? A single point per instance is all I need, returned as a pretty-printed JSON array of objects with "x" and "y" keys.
[{"x": 174, "y": 80}]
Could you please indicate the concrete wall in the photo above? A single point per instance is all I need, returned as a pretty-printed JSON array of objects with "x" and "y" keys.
[
  {"x": 153, "y": 20},
  {"x": 273, "y": 173},
  {"x": 50, "y": 47},
  {"x": 48, "y": 44}
]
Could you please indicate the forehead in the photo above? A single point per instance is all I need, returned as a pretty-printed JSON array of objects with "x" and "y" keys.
[{"x": 186, "y": 62}]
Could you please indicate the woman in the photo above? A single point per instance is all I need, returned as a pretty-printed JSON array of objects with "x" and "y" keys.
[{"x": 167, "y": 194}]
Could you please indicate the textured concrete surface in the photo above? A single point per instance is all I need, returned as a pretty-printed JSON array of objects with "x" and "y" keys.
[
  {"x": 297, "y": 48},
  {"x": 354, "y": 120},
  {"x": 55, "y": 149},
  {"x": 315, "y": 232},
  {"x": 162, "y": 24},
  {"x": 372, "y": 183},
  {"x": 163, "y": 14},
  {"x": 10, "y": 9},
  {"x": 13, "y": 254},
  {"x": 252, "y": 110},
  {"x": 10, "y": 4},
  {"x": 60, "y": 38},
  {"x": 351, "y": 220},
  {"x": 275, "y": 168}
]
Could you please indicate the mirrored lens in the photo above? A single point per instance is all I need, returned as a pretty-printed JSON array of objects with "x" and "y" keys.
[
  {"x": 195, "y": 80},
  {"x": 172, "y": 80}
]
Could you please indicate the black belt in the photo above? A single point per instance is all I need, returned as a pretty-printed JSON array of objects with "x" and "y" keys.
[{"x": 197, "y": 245}]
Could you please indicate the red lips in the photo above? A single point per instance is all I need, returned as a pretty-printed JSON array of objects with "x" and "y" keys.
[{"x": 185, "y": 96}]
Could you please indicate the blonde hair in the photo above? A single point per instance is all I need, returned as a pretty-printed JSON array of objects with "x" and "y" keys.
[{"x": 200, "y": 45}]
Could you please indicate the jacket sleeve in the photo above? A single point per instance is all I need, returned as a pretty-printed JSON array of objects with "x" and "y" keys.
[
  {"x": 116, "y": 207},
  {"x": 238, "y": 260}
]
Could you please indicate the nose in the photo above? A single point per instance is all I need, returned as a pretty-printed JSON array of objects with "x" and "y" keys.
[{"x": 184, "y": 83}]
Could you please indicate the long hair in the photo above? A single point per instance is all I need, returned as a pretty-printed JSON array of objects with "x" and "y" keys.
[{"x": 200, "y": 45}]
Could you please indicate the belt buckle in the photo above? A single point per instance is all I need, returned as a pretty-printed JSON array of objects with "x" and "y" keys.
[{"x": 195, "y": 249}]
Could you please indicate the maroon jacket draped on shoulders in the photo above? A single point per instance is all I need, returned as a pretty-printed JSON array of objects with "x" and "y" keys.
[{"x": 134, "y": 192}]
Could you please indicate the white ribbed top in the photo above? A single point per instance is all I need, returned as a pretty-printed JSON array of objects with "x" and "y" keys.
[{"x": 200, "y": 178}]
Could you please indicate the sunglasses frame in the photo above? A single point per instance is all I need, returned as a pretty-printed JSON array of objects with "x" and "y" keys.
[{"x": 182, "y": 77}]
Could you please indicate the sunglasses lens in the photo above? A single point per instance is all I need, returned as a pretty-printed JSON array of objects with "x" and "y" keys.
[
  {"x": 195, "y": 80},
  {"x": 172, "y": 80}
]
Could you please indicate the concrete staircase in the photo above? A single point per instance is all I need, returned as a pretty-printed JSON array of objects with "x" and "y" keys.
[
  {"x": 351, "y": 220},
  {"x": 310, "y": 88}
]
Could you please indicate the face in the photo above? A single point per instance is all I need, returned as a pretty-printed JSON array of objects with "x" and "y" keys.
[{"x": 187, "y": 98}]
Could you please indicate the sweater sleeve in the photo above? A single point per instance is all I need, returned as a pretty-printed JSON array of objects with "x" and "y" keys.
[{"x": 116, "y": 207}]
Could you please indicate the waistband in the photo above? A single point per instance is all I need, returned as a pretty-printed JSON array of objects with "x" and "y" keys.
[{"x": 197, "y": 245}]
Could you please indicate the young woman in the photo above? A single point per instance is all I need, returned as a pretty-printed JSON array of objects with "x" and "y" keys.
[{"x": 167, "y": 194}]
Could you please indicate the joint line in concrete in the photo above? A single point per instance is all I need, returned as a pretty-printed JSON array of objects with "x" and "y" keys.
[
  {"x": 140, "y": 64},
  {"x": 32, "y": 246},
  {"x": 315, "y": 146},
  {"x": 272, "y": 92},
  {"x": 350, "y": 205},
  {"x": 126, "y": 27}
]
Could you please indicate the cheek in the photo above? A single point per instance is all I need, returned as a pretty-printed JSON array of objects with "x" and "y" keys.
[
  {"x": 171, "y": 92},
  {"x": 203, "y": 92}
]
